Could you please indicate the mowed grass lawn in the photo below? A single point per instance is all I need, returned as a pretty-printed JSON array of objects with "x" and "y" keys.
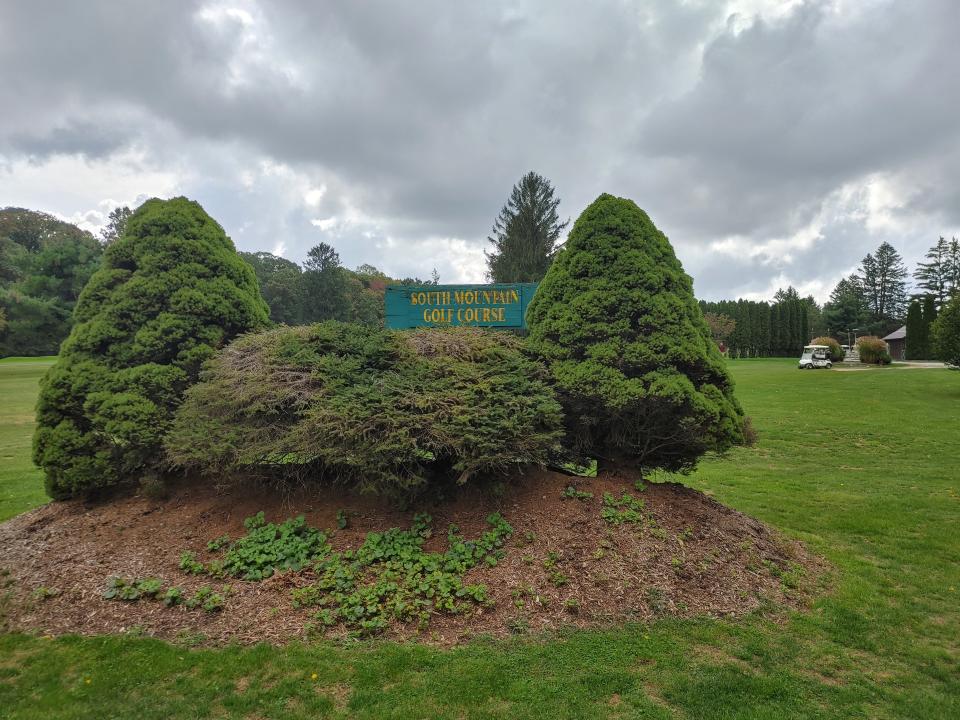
[
  {"x": 21, "y": 483},
  {"x": 863, "y": 466}
]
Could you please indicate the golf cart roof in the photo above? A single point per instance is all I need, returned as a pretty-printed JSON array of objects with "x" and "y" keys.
[{"x": 815, "y": 347}]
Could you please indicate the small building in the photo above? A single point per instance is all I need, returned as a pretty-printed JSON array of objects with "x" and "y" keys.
[{"x": 897, "y": 342}]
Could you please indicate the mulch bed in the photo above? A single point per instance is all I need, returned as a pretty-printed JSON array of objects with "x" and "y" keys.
[{"x": 702, "y": 559}]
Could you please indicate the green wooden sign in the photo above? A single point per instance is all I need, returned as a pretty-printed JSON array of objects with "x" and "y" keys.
[{"x": 499, "y": 305}]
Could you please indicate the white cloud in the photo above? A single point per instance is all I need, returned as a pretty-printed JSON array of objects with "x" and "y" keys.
[
  {"x": 253, "y": 55},
  {"x": 84, "y": 191},
  {"x": 325, "y": 224},
  {"x": 773, "y": 141}
]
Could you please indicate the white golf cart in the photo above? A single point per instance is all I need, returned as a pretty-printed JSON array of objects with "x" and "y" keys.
[{"x": 815, "y": 356}]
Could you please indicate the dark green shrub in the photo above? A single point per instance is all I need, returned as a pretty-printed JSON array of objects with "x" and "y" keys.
[
  {"x": 170, "y": 291},
  {"x": 382, "y": 411},
  {"x": 945, "y": 333},
  {"x": 836, "y": 352},
  {"x": 637, "y": 371},
  {"x": 873, "y": 350}
]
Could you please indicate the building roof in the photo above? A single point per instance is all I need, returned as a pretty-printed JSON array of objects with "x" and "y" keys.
[{"x": 900, "y": 334}]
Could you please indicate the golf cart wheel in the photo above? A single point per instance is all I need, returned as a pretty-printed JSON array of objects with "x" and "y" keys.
[{"x": 829, "y": 365}]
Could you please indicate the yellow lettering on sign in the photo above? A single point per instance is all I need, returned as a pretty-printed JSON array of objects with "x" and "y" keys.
[{"x": 465, "y": 307}]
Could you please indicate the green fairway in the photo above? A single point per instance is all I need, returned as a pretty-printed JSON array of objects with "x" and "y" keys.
[
  {"x": 21, "y": 484},
  {"x": 862, "y": 466}
]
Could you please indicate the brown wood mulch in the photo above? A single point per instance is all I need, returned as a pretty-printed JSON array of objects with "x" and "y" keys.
[{"x": 700, "y": 558}]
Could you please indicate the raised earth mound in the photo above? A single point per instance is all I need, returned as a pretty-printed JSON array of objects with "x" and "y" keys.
[{"x": 552, "y": 551}]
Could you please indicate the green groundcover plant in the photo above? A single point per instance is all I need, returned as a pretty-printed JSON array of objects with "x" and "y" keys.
[
  {"x": 638, "y": 374},
  {"x": 171, "y": 290},
  {"x": 377, "y": 410},
  {"x": 390, "y": 577}
]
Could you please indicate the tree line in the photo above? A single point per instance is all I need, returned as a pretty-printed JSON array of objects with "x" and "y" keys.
[
  {"x": 874, "y": 300},
  {"x": 876, "y": 297},
  {"x": 45, "y": 262},
  {"x": 323, "y": 289},
  {"x": 751, "y": 328}
]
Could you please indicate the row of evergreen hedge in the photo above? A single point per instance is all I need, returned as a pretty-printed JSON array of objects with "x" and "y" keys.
[{"x": 619, "y": 365}]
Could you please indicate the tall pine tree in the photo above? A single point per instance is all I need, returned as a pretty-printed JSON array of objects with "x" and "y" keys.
[
  {"x": 324, "y": 285},
  {"x": 936, "y": 276},
  {"x": 847, "y": 308},
  {"x": 953, "y": 269},
  {"x": 526, "y": 232},
  {"x": 884, "y": 280}
]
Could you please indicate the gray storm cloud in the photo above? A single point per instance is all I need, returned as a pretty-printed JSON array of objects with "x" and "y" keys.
[{"x": 771, "y": 145}]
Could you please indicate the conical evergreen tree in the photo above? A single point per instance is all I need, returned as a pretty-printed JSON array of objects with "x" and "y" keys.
[
  {"x": 929, "y": 317},
  {"x": 627, "y": 344},
  {"x": 916, "y": 332},
  {"x": 171, "y": 290}
]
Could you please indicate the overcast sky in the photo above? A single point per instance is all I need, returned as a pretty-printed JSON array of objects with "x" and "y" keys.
[{"x": 774, "y": 142}]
